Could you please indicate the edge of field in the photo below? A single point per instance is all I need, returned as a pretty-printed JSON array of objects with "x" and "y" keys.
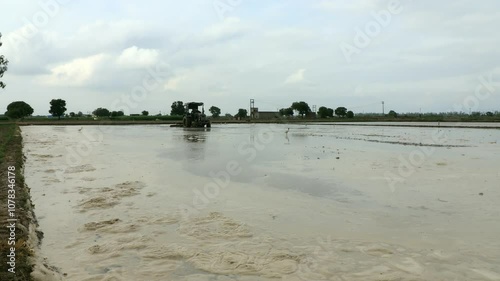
[{"x": 27, "y": 236}]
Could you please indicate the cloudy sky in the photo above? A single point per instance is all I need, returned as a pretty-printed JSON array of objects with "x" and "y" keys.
[{"x": 144, "y": 55}]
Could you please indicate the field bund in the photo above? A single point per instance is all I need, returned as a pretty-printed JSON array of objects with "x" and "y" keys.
[{"x": 255, "y": 202}]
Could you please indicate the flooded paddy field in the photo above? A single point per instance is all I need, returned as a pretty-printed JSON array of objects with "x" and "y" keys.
[{"x": 265, "y": 202}]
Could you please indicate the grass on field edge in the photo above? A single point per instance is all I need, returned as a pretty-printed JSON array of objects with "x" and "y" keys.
[{"x": 11, "y": 154}]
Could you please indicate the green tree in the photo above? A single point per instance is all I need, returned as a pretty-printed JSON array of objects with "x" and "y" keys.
[
  {"x": 286, "y": 111},
  {"x": 177, "y": 108},
  {"x": 350, "y": 114},
  {"x": 393, "y": 114},
  {"x": 145, "y": 113},
  {"x": 18, "y": 109},
  {"x": 3, "y": 65},
  {"x": 215, "y": 111},
  {"x": 489, "y": 113},
  {"x": 228, "y": 115},
  {"x": 72, "y": 114},
  {"x": 325, "y": 112},
  {"x": 79, "y": 114},
  {"x": 341, "y": 111},
  {"x": 101, "y": 112},
  {"x": 57, "y": 107},
  {"x": 242, "y": 113},
  {"x": 302, "y": 107}
]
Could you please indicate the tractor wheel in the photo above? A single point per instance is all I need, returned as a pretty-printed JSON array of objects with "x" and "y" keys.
[{"x": 187, "y": 122}]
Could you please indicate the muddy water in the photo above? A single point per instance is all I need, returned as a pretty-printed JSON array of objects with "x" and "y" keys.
[{"x": 251, "y": 202}]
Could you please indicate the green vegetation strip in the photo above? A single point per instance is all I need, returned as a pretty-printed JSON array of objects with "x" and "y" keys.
[{"x": 11, "y": 156}]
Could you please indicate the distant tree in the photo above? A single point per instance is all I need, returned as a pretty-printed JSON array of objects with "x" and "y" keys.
[
  {"x": 286, "y": 111},
  {"x": 325, "y": 112},
  {"x": 18, "y": 109},
  {"x": 341, "y": 111},
  {"x": 393, "y": 114},
  {"x": 57, "y": 108},
  {"x": 145, "y": 113},
  {"x": 215, "y": 111},
  {"x": 242, "y": 113},
  {"x": 3, "y": 65},
  {"x": 350, "y": 114},
  {"x": 330, "y": 112},
  {"x": 116, "y": 113},
  {"x": 489, "y": 113},
  {"x": 302, "y": 107},
  {"x": 177, "y": 108},
  {"x": 79, "y": 114},
  {"x": 228, "y": 115},
  {"x": 101, "y": 112},
  {"x": 72, "y": 114}
]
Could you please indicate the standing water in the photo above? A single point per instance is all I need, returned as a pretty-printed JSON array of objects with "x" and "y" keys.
[{"x": 252, "y": 202}]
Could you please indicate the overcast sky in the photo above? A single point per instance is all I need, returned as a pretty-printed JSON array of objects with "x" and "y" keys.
[{"x": 144, "y": 55}]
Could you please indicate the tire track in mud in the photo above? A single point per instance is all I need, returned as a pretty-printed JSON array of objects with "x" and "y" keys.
[
  {"x": 105, "y": 198},
  {"x": 216, "y": 245}
]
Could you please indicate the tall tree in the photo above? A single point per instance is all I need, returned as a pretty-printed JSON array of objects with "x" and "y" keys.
[
  {"x": 215, "y": 111},
  {"x": 18, "y": 109},
  {"x": 341, "y": 111},
  {"x": 3, "y": 65},
  {"x": 145, "y": 113},
  {"x": 325, "y": 112},
  {"x": 242, "y": 113},
  {"x": 302, "y": 107},
  {"x": 57, "y": 107},
  {"x": 177, "y": 108},
  {"x": 101, "y": 112},
  {"x": 286, "y": 111}
]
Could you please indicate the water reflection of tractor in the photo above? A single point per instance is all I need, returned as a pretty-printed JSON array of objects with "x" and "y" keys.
[{"x": 193, "y": 118}]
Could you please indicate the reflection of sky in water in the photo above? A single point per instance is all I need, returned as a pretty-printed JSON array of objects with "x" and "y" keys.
[{"x": 264, "y": 151}]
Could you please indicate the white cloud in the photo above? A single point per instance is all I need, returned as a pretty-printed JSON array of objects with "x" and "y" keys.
[
  {"x": 174, "y": 83},
  {"x": 224, "y": 30},
  {"x": 334, "y": 5},
  {"x": 135, "y": 57},
  {"x": 295, "y": 77},
  {"x": 77, "y": 72}
]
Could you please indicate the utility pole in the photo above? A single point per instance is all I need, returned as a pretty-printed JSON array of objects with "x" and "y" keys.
[
  {"x": 383, "y": 109},
  {"x": 252, "y": 106}
]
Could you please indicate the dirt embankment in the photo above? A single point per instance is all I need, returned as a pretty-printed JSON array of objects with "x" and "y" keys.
[{"x": 18, "y": 236}]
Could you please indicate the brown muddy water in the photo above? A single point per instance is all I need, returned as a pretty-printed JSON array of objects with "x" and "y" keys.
[{"x": 252, "y": 202}]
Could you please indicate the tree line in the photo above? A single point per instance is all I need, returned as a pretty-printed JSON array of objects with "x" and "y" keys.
[{"x": 20, "y": 109}]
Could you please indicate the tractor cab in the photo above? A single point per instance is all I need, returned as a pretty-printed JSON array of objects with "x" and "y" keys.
[{"x": 193, "y": 117}]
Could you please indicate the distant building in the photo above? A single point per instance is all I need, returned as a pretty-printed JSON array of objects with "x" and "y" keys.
[
  {"x": 256, "y": 114},
  {"x": 268, "y": 114}
]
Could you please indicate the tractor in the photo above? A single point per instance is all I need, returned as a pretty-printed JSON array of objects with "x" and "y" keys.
[{"x": 193, "y": 118}]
